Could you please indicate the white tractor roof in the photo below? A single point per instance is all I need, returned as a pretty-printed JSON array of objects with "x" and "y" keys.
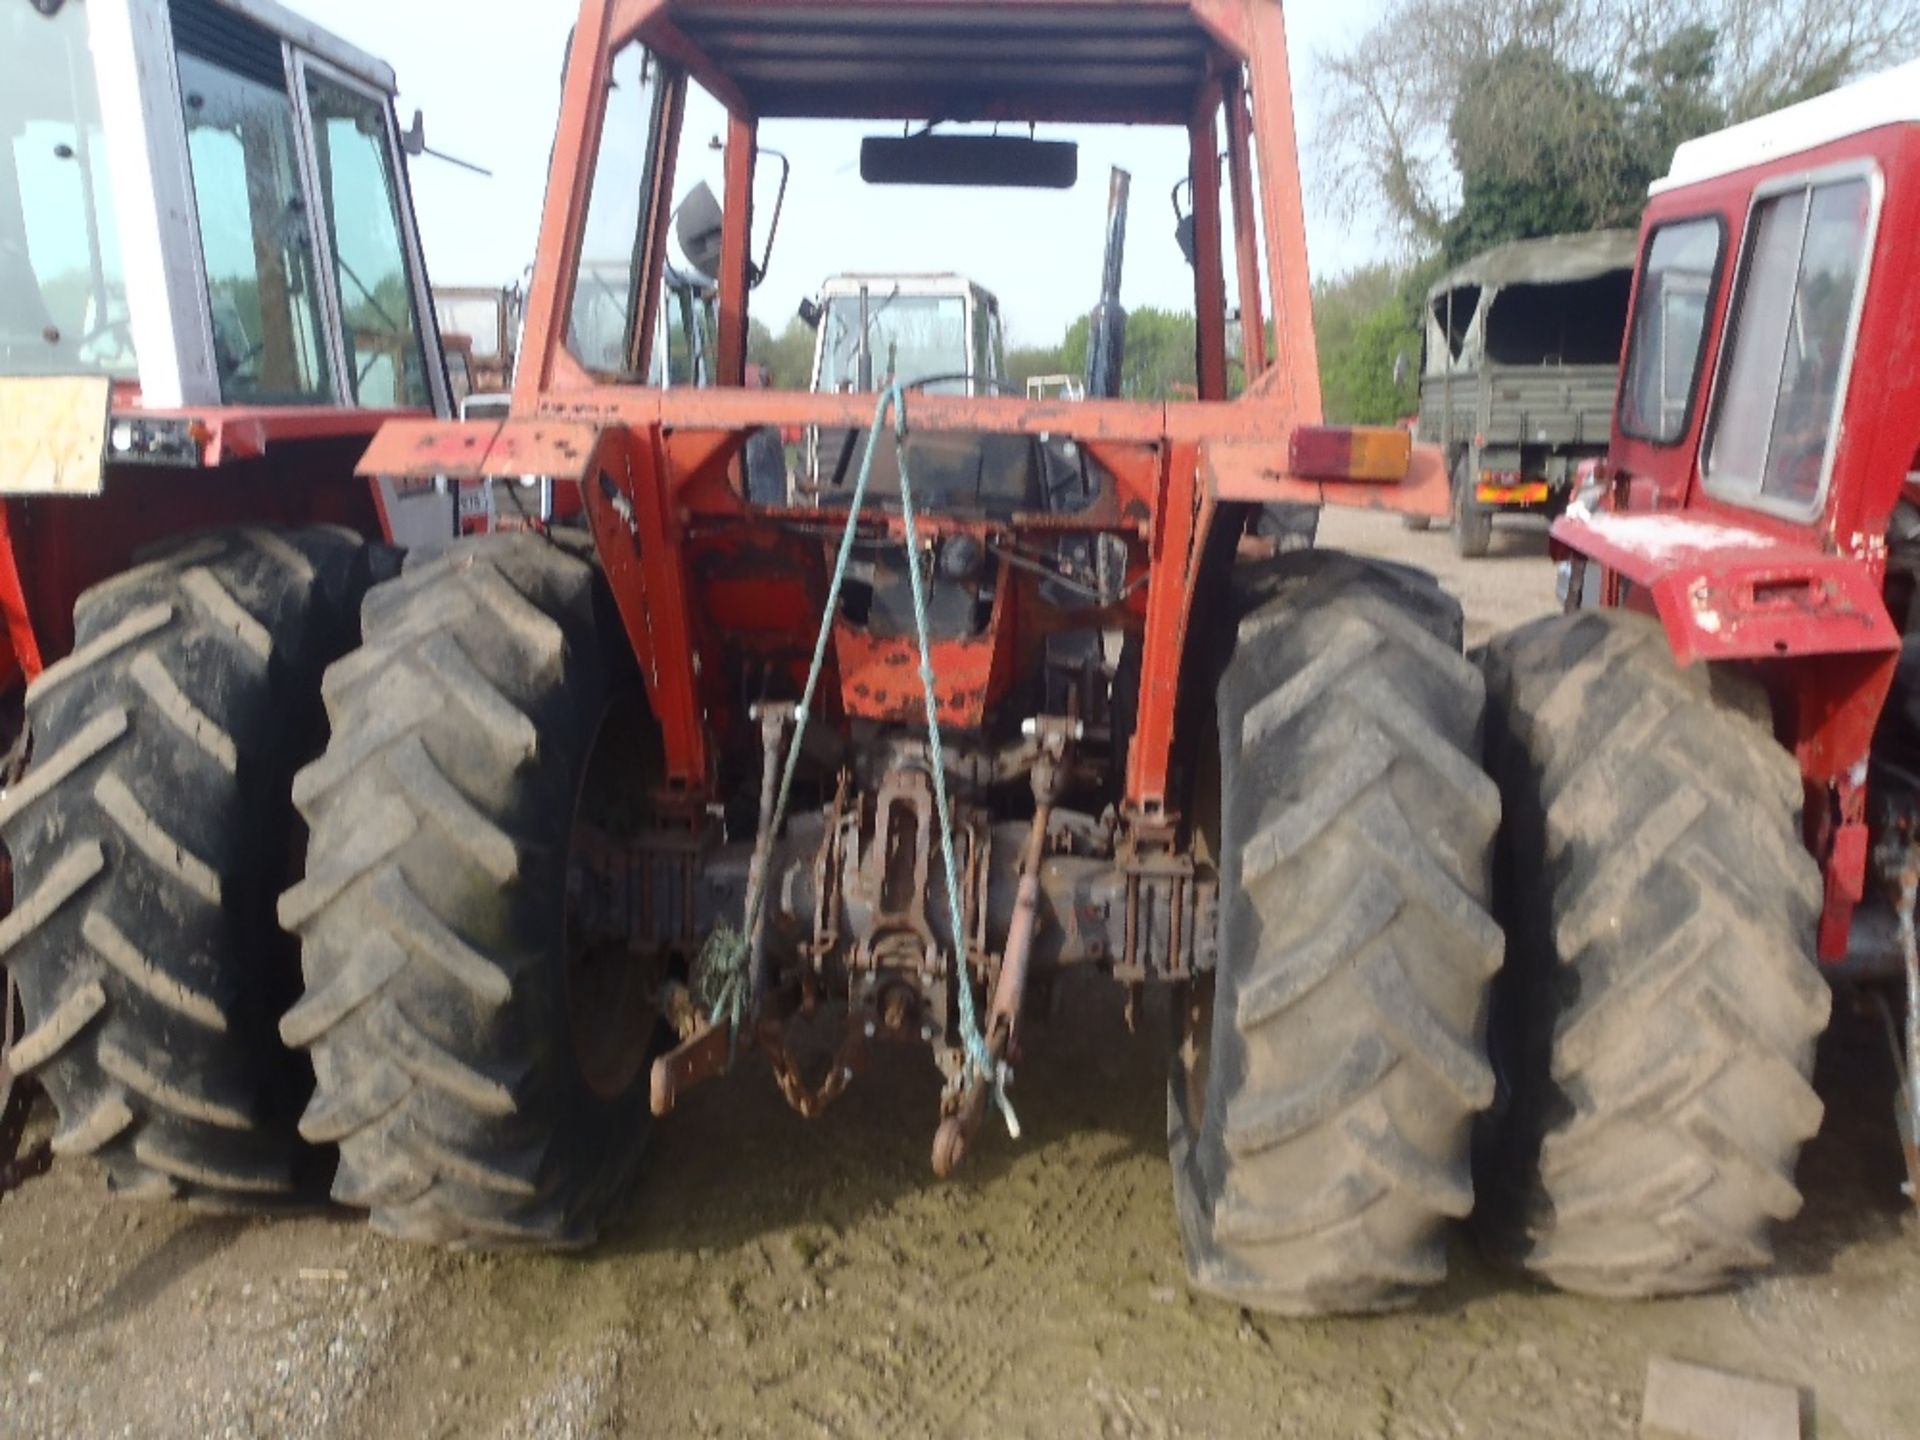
[
  {"x": 1890, "y": 98},
  {"x": 307, "y": 36},
  {"x": 908, "y": 283}
]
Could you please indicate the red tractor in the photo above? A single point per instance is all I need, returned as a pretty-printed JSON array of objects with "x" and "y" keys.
[
  {"x": 976, "y": 698},
  {"x": 211, "y": 296},
  {"x": 1711, "y": 765}
]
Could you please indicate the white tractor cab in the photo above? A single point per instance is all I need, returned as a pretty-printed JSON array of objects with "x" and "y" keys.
[
  {"x": 939, "y": 333},
  {"x": 205, "y": 231},
  {"x": 480, "y": 328}
]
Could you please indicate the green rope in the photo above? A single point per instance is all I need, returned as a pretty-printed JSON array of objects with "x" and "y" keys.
[{"x": 721, "y": 973}]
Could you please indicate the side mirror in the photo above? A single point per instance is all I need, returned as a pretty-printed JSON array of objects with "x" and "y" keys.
[
  {"x": 811, "y": 314},
  {"x": 697, "y": 224},
  {"x": 759, "y": 272},
  {"x": 1401, "y": 364},
  {"x": 699, "y": 221}
]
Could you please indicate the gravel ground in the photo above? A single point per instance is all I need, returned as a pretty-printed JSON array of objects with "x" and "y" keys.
[{"x": 782, "y": 1278}]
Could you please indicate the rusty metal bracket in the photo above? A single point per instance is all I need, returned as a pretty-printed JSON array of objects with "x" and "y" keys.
[
  {"x": 692, "y": 1062},
  {"x": 1170, "y": 918},
  {"x": 812, "y": 1101},
  {"x": 963, "y": 1112}
]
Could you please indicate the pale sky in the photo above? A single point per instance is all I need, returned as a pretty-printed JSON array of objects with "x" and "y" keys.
[{"x": 487, "y": 74}]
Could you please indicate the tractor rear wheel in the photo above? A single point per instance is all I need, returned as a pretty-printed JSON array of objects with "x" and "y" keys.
[
  {"x": 149, "y": 837},
  {"x": 1320, "y": 1115},
  {"x": 485, "y": 1082},
  {"x": 1654, "y": 1030}
]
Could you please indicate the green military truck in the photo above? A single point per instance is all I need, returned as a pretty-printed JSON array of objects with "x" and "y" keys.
[{"x": 1522, "y": 358}]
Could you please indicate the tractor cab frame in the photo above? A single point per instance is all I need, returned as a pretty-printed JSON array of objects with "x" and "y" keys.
[
  {"x": 659, "y": 468},
  {"x": 212, "y": 267},
  {"x": 1765, "y": 445}
]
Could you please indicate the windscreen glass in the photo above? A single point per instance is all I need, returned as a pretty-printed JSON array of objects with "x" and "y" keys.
[
  {"x": 1669, "y": 330},
  {"x": 602, "y": 324},
  {"x": 361, "y": 198},
  {"x": 63, "y": 296},
  {"x": 256, "y": 237},
  {"x": 475, "y": 316},
  {"x": 912, "y": 339},
  {"x": 1781, "y": 385}
]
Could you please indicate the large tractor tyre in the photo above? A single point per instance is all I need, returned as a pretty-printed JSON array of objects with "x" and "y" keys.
[
  {"x": 1320, "y": 1117},
  {"x": 485, "y": 1079},
  {"x": 1472, "y": 521},
  {"x": 1654, "y": 1028},
  {"x": 150, "y": 836}
]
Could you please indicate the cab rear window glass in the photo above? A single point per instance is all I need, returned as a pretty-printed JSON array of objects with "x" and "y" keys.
[
  {"x": 1670, "y": 329},
  {"x": 1784, "y": 373}
]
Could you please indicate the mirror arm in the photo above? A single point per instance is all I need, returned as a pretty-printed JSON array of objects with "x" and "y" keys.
[{"x": 773, "y": 229}]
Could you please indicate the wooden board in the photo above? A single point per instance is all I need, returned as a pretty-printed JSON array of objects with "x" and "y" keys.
[{"x": 53, "y": 434}]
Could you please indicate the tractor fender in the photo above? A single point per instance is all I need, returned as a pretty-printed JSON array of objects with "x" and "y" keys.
[{"x": 1727, "y": 592}]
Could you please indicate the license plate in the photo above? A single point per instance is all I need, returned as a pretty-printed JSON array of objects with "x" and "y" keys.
[{"x": 1530, "y": 494}]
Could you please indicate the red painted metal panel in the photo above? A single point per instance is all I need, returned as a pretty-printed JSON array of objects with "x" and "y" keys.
[
  {"x": 1209, "y": 277},
  {"x": 1261, "y": 473},
  {"x": 736, "y": 260},
  {"x": 646, "y": 567},
  {"x": 1296, "y": 385},
  {"x": 880, "y": 675},
  {"x": 23, "y": 647},
  {"x": 1181, "y": 522},
  {"x": 1731, "y": 592},
  {"x": 563, "y": 222},
  {"x": 1246, "y": 229},
  {"x": 423, "y": 449},
  {"x": 234, "y": 433}
]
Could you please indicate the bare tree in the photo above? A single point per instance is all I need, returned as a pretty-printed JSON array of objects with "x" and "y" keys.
[{"x": 1393, "y": 117}]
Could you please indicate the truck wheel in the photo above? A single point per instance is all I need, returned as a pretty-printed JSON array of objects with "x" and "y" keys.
[
  {"x": 1472, "y": 521},
  {"x": 149, "y": 837},
  {"x": 1654, "y": 1030},
  {"x": 483, "y": 1074},
  {"x": 1289, "y": 526},
  {"x": 1320, "y": 1117}
]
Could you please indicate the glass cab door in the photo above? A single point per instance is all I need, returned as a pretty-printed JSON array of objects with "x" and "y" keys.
[
  {"x": 373, "y": 283},
  {"x": 308, "y": 253}
]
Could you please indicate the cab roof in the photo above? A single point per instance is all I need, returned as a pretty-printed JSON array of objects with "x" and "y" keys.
[
  {"x": 1088, "y": 60},
  {"x": 912, "y": 282},
  {"x": 1891, "y": 97},
  {"x": 302, "y": 34},
  {"x": 1553, "y": 260}
]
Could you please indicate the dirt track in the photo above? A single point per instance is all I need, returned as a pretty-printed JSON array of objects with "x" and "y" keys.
[{"x": 780, "y": 1278}]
